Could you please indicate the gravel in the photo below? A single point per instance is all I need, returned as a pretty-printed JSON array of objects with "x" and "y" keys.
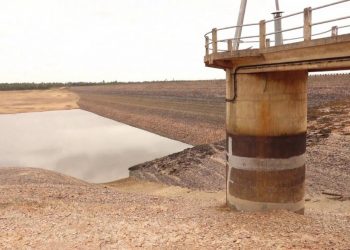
[{"x": 35, "y": 213}]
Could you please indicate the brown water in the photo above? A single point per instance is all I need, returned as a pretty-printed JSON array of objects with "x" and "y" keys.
[{"x": 78, "y": 143}]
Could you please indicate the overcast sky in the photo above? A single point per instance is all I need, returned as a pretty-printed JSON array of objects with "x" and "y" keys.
[{"x": 124, "y": 40}]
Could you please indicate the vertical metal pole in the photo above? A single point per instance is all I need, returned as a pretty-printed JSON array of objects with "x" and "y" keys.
[
  {"x": 278, "y": 24},
  {"x": 240, "y": 21},
  {"x": 277, "y": 5}
]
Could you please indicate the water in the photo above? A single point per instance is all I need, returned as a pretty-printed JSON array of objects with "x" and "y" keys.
[{"x": 78, "y": 143}]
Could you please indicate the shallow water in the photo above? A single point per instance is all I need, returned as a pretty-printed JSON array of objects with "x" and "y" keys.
[{"x": 78, "y": 143}]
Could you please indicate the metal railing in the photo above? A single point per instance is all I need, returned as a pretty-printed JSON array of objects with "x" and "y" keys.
[{"x": 261, "y": 38}]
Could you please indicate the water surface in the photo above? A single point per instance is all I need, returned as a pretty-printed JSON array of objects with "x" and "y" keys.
[{"x": 78, "y": 143}]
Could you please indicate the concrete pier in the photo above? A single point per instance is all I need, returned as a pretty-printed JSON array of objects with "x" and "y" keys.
[
  {"x": 266, "y": 140},
  {"x": 266, "y": 109}
]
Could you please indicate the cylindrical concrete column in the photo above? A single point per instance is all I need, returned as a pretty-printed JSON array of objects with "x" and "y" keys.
[{"x": 266, "y": 141}]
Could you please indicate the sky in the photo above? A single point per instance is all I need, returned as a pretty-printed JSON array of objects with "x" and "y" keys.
[{"x": 121, "y": 40}]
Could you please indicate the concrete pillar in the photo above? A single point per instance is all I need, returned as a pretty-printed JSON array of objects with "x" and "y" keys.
[{"x": 266, "y": 140}]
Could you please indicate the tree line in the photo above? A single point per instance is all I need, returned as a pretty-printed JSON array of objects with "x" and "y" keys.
[{"x": 33, "y": 86}]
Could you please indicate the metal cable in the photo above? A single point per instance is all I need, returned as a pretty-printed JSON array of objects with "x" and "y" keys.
[
  {"x": 345, "y": 26},
  {"x": 244, "y": 25},
  {"x": 296, "y": 28},
  {"x": 233, "y": 39},
  {"x": 294, "y": 38},
  {"x": 331, "y": 4},
  {"x": 331, "y": 20},
  {"x": 321, "y": 33}
]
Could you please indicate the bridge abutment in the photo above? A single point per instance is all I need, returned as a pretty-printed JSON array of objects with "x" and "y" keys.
[{"x": 266, "y": 121}]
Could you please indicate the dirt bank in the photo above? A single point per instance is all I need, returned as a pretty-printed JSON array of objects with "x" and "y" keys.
[
  {"x": 184, "y": 111},
  {"x": 189, "y": 111},
  {"x": 328, "y": 158}
]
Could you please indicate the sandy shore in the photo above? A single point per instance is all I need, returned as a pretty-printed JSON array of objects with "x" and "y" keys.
[{"x": 37, "y": 100}]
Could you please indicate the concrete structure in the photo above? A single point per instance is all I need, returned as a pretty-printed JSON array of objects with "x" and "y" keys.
[{"x": 266, "y": 96}]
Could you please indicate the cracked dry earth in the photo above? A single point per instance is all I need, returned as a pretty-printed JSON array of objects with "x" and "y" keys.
[{"x": 40, "y": 209}]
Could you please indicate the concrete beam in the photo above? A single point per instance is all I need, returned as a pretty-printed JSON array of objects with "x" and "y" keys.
[{"x": 321, "y": 49}]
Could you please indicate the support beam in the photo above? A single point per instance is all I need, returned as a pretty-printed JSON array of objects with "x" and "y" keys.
[
  {"x": 307, "y": 24},
  {"x": 334, "y": 31},
  {"x": 206, "y": 45},
  {"x": 214, "y": 34},
  {"x": 262, "y": 34},
  {"x": 229, "y": 45},
  {"x": 266, "y": 141}
]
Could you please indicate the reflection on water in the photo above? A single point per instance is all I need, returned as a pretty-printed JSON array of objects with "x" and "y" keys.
[{"x": 78, "y": 143}]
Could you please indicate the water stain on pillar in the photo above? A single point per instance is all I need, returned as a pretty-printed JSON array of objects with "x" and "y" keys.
[{"x": 266, "y": 131}]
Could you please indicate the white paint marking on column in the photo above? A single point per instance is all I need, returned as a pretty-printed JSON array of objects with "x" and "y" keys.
[
  {"x": 228, "y": 178},
  {"x": 229, "y": 145},
  {"x": 229, "y": 154},
  {"x": 248, "y": 163}
]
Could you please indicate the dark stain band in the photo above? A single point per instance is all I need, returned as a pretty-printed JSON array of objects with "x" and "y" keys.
[
  {"x": 285, "y": 146},
  {"x": 268, "y": 186}
]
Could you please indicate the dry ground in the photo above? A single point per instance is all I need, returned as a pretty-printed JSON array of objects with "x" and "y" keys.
[
  {"x": 37, "y": 100},
  {"x": 41, "y": 209},
  {"x": 328, "y": 157},
  {"x": 183, "y": 111},
  {"x": 189, "y": 111}
]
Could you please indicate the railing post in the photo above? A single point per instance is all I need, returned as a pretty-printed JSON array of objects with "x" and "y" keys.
[
  {"x": 268, "y": 42},
  {"x": 229, "y": 45},
  {"x": 206, "y": 45},
  {"x": 262, "y": 34},
  {"x": 307, "y": 24},
  {"x": 214, "y": 36},
  {"x": 334, "y": 30}
]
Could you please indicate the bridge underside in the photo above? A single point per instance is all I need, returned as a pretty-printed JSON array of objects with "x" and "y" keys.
[{"x": 266, "y": 119}]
